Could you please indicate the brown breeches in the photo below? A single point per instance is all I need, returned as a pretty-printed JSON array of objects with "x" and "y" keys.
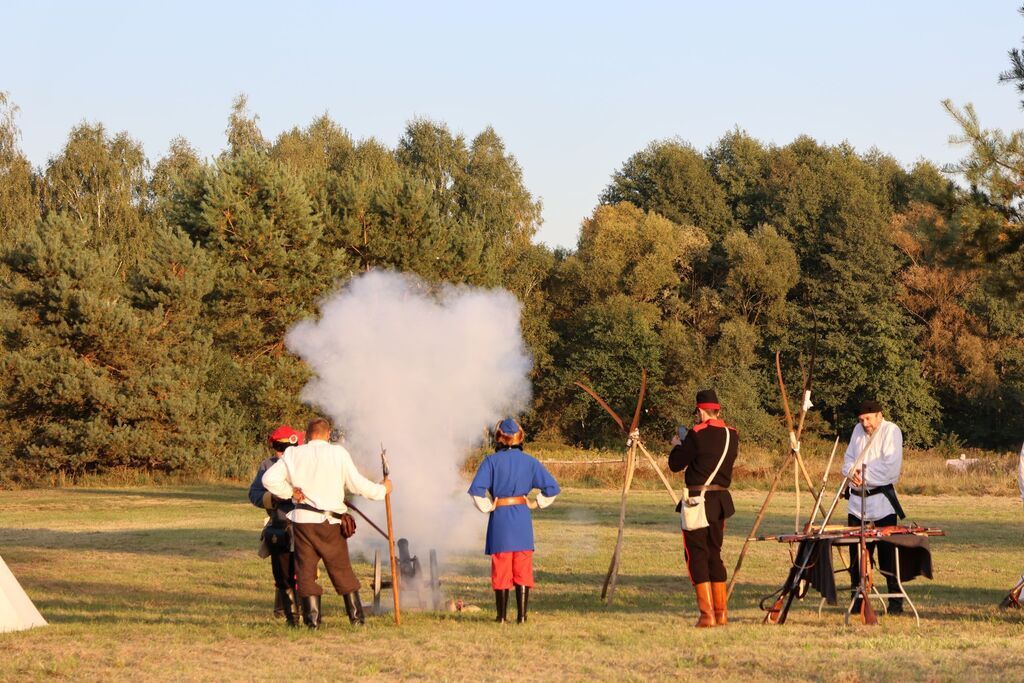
[{"x": 314, "y": 542}]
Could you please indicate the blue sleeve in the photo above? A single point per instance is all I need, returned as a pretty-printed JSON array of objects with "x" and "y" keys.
[
  {"x": 543, "y": 480},
  {"x": 483, "y": 480},
  {"x": 256, "y": 489}
]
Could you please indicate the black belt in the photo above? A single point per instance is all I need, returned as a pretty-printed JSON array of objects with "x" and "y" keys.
[
  {"x": 889, "y": 491},
  {"x": 329, "y": 513}
]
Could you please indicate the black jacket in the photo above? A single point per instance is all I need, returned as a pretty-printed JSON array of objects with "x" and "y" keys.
[{"x": 698, "y": 455}]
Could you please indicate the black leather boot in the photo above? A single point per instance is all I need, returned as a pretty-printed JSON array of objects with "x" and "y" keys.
[
  {"x": 501, "y": 602},
  {"x": 279, "y": 603},
  {"x": 522, "y": 603},
  {"x": 354, "y": 608},
  {"x": 311, "y": 611},
  {"x": 285, "y": 602}
]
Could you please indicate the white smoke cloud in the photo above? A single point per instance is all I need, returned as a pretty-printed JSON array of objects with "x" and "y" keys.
[{"x": 424, "y": 372}]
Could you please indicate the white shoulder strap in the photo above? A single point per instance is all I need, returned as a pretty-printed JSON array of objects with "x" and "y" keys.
[{"x": 725, "y": 451}]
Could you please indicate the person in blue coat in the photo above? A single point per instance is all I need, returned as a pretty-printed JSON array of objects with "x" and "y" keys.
[
  {"x": 500, "y": 489},
  {"x": 277, "y": 534}
]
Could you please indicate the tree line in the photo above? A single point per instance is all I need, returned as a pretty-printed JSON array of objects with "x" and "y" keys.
[{"x": 143, "y": 305}]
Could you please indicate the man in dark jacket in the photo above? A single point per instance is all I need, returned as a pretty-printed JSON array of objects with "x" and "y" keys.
[
  {"x": 700, "y": 453},
  {"x": 277, "y": 532}
]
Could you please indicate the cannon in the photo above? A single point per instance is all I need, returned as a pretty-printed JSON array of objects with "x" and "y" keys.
[{"x": 425, "y": 587}]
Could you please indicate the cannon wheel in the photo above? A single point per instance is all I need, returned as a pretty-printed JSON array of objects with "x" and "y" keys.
[
  {"x": 435, "y": 582},
  {"x": 377, "y": 582}
]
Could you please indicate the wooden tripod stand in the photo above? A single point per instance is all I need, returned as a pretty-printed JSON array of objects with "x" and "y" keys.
[
  {"x": 633, "y": 444},
  {"x": 795, "y": 434}
]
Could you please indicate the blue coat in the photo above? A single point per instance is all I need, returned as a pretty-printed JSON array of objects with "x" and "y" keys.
[{"x": 505, "y": 474}]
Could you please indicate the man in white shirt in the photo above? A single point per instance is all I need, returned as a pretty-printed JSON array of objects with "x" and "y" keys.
[
  {"x": 316, "y": 476},
  {"x": 1020, "y": 472},
  {"x": 883, "y": 460}
]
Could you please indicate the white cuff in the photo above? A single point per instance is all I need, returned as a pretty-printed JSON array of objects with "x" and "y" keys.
[
  {"x": 543, "y": 501},
  {"x": 484, "y": 505}
]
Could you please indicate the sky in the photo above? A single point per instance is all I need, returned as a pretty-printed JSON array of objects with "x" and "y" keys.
[{"x": 572, "y": 88}]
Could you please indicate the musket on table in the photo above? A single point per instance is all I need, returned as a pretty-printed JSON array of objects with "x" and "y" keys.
[
  {"x": 395, "y": 587},
  {"x": 777, "y": 613}
]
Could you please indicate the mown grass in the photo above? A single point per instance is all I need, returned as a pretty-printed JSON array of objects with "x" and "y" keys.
[{"x": 163, "y": 583}]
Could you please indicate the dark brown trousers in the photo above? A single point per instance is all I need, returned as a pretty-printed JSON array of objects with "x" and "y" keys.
[{"x": 314, "y": 542}]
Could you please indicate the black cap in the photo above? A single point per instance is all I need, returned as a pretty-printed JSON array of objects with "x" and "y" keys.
[
  {"x": 869, "y": 406},
  {"x": 708, "y": 399}
]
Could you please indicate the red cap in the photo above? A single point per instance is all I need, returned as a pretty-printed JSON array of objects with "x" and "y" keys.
[
  {"x": 288, "y": 435},
  {"x": 709, "y": 406}
]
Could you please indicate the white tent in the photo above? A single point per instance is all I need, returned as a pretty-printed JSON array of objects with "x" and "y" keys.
[{"x": 17, "y": 612}]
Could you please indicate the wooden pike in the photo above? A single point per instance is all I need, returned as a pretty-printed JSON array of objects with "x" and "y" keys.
[
  {"x": 824, "y": 483},
  {"x": 796, "y": 434},
  {"x": 395, "y": 587},
  {"x": 794, "y": 452},
  {"x": 757, "y": 520}
]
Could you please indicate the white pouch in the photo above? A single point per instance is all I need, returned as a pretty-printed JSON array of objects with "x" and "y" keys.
[{"x": 693, "y": 514}]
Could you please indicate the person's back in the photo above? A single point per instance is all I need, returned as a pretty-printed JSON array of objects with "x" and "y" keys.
[
  {"x": 507, "y": 476},
  {"x": 316, "y": 476},
  {"x": 324, "y": 472},
  {"x": 514, "y": 472}
]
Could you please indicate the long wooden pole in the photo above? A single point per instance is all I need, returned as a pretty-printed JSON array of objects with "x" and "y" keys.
[
  {"x": 610, "y": 581},
  {"x": 396, "y": 589},
  {"x": 664, "y": 479},
  {"x": 824, "y": 483},
  {"x": 757, "y": 521}
]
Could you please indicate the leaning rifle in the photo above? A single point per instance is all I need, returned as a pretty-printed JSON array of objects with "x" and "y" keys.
[
  {"x": 867, "y": 612},
  {"x": 776, "y": 614}
]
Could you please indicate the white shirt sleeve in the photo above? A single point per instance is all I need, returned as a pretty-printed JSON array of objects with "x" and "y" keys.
[
  {"x": 276, "y": 480},
  {"x": 483, "y": 504},
  {"x": 543, "y": 501},
  {"x": 885, "y": 469},
  {"x": 1020, "y": 472},
  {"x": 360, "y": 485}
]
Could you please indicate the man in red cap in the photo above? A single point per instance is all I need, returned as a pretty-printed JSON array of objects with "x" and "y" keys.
[
  {"x": 277, "y": 532},
  {"x": 708, "y": 462},
  {"x": 316, "y": 477}
]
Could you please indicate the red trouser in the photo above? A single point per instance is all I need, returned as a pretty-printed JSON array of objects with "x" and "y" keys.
[{"x": 512, "y": 568}]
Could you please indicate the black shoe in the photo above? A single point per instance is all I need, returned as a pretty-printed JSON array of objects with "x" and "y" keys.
[
  {"x": 285, "y": 602},
  {"x": 895, "y": 607},
  {"x": 354, "y": 608},
  {"x": 856, "y": 605},
  {"x": 522, "y": 603},
  {"x": 311, "y": 611},
  {"x": 501, "y": 602}
]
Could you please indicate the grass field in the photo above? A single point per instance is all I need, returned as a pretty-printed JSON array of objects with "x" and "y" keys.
[{"x": 163, "y": 583}]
